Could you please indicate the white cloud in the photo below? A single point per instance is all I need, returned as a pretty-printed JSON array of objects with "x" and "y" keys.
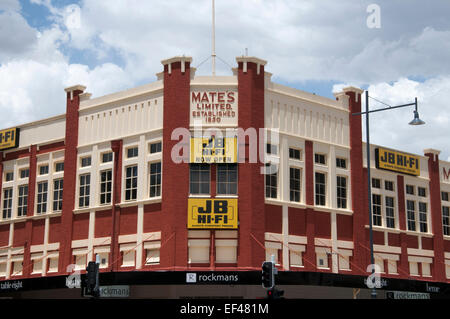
[
  {"x": 390, "y": 128},
  {"x": 302, "y": 40},
  {"x": 16, "y": 36},
  {"x": 10, "y": 5}
]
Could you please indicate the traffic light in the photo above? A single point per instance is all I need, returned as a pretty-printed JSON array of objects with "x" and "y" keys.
[
  {"x": 92, "y": 284},
  {"x": 268, "y": 278},
  {"x": 274, "y": 293}
]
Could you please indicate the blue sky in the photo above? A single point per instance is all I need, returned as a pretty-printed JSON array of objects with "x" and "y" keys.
[{"x": 318, "y": 46}]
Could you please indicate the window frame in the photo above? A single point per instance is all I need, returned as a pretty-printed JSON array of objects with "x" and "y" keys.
[
  {"x": 41, "y": 204},
  {"x": 339, "y": 161},
  {"x": 158, "y": 175},
  {"x": 446, "y": 220},
  {"x": 85, "y": 161},
  {"x": 318, "y": 157},
  {"x": 341, "y": 201},
  {"x": 204, "y": 178},
  {"x": 292, "y": 153},
  {"x": 293, "y": 180},
  {"x": 158, "y": 146},
  {"x": 107, "y": 192},
  {"x": 270, "y": 183},
  {"x": 134, "y": 150},
  {"x": 377, "y": 211},
  {"x": 228, "y": 183},
  {"x": 58, "y": 194},
  {"x": 22, "y": 200},
  {"x": 411, "y": 213},
  {"x": 84, "y": 200},
  {"x": 131, "y": 190},
  {"x": 9, "y": 201},
  {"x": 320, "y": 197},
  {"x": 390, "y": 220}
]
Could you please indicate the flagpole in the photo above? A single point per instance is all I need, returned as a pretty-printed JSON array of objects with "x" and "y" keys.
[{"x": 213, "y": 55}]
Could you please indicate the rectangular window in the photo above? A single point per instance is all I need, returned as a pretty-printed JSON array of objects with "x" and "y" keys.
[
  {"x": 155, "y": 179},
  {"x": 341, "y": 162},
  {"x": 410, "y": 189},
  {"x": 24, "y": 173},
  {"x": 22, "y": 201},
  {"x": 227, "y": 179},
  {"x": 7, "y": 202},
  {"x": 320, "y": 189},
  {"x": 42, "y": 191},
  {"x": 57, "y": 194},
  {"x": 320, "y": 159},
  {"x": 390, "y": 212},
  {"x": 271, "y": 183},
  {"x": 295, "y": 153},
  {"x": 200, "y": 179},
  {"x": 444, "y": 196},
  {"x": 271, "y": 149},
  {"x": 43, "y": 170},
  {"x": 86, "y": 161},
  {"x": 131, "y": 182},
  {"x": 132, "y": 152},
  {"x": 389, "y": 186},
  {"x": 9, "y": 176},
  {"x": 376, "y": 183},
  {"x": 422, "y": 191},
  {"x": 423, "y": 217},
  {"x": 105, "y": 187},
  {"x": 85, "y": 190},
  {"x": 446, "y": 220},
  {"x": 294, "y": 184},
  {"x": 341, "y": 187},
  {"x": 411, "y": 215},
  {"x": 376, "y": 209},
  {"x": 152, "y": 256},
  {"x": 155, "y": 147},
  {"x": 107, "y": 157},
  {"x": 59, "y": 167}
]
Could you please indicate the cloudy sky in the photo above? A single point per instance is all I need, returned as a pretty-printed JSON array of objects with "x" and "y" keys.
[{"x": 397, "y": 49}]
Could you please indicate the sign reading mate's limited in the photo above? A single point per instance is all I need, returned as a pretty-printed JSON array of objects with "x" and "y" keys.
[{"x": 214, "y": 107}]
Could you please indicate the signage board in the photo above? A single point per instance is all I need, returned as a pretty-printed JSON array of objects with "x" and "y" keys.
[
  {"x": 397, "y": 162},
  {"x": 213, "y": 150},
  {"x": 212, "y": 213},
  {"x": 216, "y": 107},
  {"x": 114, "y": 291},
  {"x": 9, "y": 138},
  {"x": 407, "y": 295}
]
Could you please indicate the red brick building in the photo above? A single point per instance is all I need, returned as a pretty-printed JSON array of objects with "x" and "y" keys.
[{"x": 102, "y": 180}]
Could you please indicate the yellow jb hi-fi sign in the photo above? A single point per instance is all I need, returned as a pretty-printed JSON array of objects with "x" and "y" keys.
[
  {"x": 9, "y": 138},
  {"x": 213, "y": 150},
  {"x": 211, "y": 213},
  {"x": 397, "y": 162}
]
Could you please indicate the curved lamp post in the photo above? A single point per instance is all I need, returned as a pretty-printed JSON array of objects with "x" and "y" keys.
[{"x": 415, "y": 121}]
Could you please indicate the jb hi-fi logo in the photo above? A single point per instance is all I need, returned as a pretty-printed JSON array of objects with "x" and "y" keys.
[{"x": 212, "y": 213}]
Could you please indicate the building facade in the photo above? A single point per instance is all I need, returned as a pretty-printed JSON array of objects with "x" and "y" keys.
[{"x": 116, "y": 176}]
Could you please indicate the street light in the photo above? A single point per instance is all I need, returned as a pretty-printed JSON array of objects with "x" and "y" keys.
[{"x": 415, "y": 121}]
